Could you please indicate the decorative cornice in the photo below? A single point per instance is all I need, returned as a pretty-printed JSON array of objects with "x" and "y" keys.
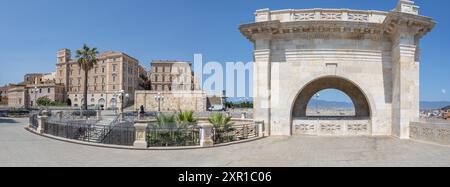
[{"x": 336, "y": 24}]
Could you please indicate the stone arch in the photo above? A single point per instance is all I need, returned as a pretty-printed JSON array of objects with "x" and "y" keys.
[{"x": 358, "y": 97}]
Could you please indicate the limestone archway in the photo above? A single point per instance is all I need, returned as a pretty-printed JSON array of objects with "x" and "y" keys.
[
  {"x": 378, "y": 50},
  {"x": 360, "y": 124},
  {"x": 358, "y": 98}
]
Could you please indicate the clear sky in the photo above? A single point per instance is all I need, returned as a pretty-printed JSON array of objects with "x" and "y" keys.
[{"x": 31, "y": 31}]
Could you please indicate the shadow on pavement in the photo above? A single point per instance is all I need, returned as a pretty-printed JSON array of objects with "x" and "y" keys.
[{"x": 7, "y": 121}]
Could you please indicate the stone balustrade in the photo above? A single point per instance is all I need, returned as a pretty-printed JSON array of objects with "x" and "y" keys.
[
  {"x": 434, "y": 132},
  {"x": 332, "y": 127},
  {"x": 321, "y": 15}
]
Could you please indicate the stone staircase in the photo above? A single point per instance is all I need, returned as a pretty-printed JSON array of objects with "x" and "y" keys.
[{"x": 97, "y": 132}]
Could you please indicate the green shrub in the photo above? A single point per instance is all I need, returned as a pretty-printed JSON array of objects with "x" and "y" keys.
[{"x": 43, "y": 101}]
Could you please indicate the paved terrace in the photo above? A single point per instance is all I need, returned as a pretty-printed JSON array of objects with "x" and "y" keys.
[{"x": 18, "y": 147}]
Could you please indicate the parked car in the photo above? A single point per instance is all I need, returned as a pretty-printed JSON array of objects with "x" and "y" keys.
[{"x": 216, "y": 108}]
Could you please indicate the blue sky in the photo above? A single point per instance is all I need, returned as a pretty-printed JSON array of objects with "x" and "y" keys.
[{"x": 31, "y": 31}]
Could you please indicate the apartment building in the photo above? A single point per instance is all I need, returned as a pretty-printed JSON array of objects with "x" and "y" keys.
[
  {"x": 114, "y": 72},
  {"x": 18, "y": 96},
  {"x": 172, "y": 76},
  {"x": 52, "y": 91},
  {"x": 33, "y": 87}
]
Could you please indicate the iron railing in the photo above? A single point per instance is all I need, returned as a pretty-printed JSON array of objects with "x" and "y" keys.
[
  {"x": 82, "y": 131},
  {"x": 167, "y": 136},
  {"x": 235, "y": 133}
]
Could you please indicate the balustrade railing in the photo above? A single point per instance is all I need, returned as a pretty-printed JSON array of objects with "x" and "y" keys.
[{"x": 235, "y": 133}]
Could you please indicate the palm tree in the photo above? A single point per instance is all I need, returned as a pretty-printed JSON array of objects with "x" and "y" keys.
[
  {"x": 87, "y": 59},
  {"x": 222, "y": 128},
  {"x": 220, "y": 121},
  {"x": 186, "y": 118}
]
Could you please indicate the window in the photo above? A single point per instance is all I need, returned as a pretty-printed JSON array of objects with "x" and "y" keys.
[
  {"x": 103, "y": 69},
  {"x": 113, "y": 78},
  {"x": 156, "y": 78},
  {"x": 114, "y": 67},
  {"x": 48, "y": 90},
  {"x": 164, "y": 78},
  {"x": 40, "y": 90},
  {"x": 164, "y": 68},
  {"x": 114, "y": 87}
]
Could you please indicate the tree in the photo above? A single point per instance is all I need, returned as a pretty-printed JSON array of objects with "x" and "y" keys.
[
  {"x": 43, "y": 101},
  {"x": 220, "y": 121},
  {"x": 87, "y": 59}
]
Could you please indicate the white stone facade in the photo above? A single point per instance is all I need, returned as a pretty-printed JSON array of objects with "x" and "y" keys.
[{"x": 372, "y": 53}]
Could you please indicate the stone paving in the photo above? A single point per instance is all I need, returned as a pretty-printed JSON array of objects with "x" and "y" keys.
[{"x": 19, "y": 147}]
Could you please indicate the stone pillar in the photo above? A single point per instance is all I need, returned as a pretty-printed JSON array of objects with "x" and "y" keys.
[
  {"x": 99, "y": 114},
  {"x": 244, "y": 115},
  {"x": 261, "y": 81},
  {"x": 206, "y": 135},
  {"x": 405, "y": 69},
  {"x": 41, "y": 122},
  {"x": 141, "y": 134},
  {"x": 260, "y": 126}
]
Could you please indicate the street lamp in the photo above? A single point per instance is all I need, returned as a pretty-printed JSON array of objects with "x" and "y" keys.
[
  {"x": 35, "y": 96},
  {"x": 159, "y": 98},
  {"x": 122, "y": 94}
]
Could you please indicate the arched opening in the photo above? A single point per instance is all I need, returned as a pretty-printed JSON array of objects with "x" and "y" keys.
[
  {"x": 101, "y": 102},
  {"x": 358, "y": 98},
  {"x": 330, "y": 103},
  {"x": 113, "y": 103},
  {"x": 349, "y": 115},
  {"x": 69, "y": 102}
]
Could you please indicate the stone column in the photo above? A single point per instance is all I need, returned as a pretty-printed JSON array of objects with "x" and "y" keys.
[
  {"x": 260, "y": 126},
  {"x": 261, "y": 80},
  {"x": 405, "y": 69},
  {"x": 41, "y": 122},
  {"x": 206, "y": 135},
  {"x": 141, "y": 134},
  {"x": 244, "y": 115}
]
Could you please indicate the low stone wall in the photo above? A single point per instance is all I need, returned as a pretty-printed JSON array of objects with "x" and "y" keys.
[
  {"x": 434, "y": 132},
  {"x": 332, "y": 127},
  {"x": 173, "y": 101}
]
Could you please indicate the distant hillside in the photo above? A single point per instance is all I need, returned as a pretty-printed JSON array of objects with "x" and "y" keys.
[
  {"x": 434, "y": 105},
  {"x": 446, "y": 108},
  {"x": 330, "y": 104}
]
